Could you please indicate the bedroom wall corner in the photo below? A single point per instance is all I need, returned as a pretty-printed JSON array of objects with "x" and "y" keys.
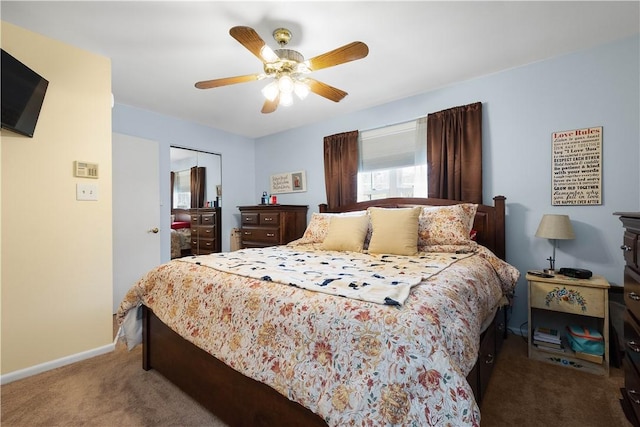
[{"x": 56, "y": 254}]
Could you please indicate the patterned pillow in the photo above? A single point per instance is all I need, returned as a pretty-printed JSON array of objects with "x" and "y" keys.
[
  {"x": 319, "y": 226},
  {"x": 446, "y": 225},
  {"x": 395, "y": 231}
]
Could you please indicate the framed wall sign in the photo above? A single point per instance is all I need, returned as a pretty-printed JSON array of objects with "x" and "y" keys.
[
  {"x": 290, "y": 182},
  {"x": 576, "y": 175}
]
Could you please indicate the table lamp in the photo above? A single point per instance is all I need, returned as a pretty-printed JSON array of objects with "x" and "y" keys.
[{"x": 554, "y": 228}]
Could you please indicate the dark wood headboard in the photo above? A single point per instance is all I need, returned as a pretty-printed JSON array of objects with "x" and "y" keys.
[{"x": 489, "y": 222}]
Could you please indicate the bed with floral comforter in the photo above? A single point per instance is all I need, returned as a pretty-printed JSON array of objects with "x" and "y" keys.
[{"x": 349, "y": 360}]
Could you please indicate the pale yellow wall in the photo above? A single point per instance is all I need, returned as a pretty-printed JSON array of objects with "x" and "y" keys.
[{"x": 56, "y": 251}]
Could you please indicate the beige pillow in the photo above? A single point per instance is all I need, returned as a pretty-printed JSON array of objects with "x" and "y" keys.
[
  {"x": 395, "y": 231},
  {"x": 318, "y": 227},
  {"x": 346, "y": 233}
]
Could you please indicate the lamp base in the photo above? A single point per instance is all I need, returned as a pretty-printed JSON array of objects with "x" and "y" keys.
[{"x": 549, "y": 271}]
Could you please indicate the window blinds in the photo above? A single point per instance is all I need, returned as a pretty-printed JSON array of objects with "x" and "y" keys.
[{"x": 389, "y": 147}]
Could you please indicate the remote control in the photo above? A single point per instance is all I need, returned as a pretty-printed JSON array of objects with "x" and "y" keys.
[{"x": 540, "y": 274}]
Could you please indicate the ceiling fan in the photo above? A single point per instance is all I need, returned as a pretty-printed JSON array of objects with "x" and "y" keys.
[{"x": 288, "y": 68}]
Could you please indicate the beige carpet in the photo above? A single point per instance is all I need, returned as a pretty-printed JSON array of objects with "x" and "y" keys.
[
  {"x": 524, "y": 392},
  {"x": 113, "y": 390}
]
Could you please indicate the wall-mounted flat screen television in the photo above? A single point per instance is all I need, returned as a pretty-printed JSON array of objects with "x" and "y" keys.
[{"x": 23, "y": 92}]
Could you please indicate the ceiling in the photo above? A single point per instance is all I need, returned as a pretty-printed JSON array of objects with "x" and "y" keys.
[{"x": 158, "y": 50}]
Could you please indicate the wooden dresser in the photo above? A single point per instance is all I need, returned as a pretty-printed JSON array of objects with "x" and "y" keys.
[
  {"x": 270, "y": 225},
  {"x": 630, "y": 247},
  {"x": 206, "y": 224}
]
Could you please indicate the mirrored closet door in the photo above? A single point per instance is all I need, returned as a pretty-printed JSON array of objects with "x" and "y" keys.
[{"x": 196, "y": 197}]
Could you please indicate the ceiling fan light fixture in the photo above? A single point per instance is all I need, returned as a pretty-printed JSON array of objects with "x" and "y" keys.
[
  {"x": 287, "y": 68},
  {"x": 286, "y": 99},
  {"x": 301, "y": 89},
  {"x": 271, "y": 91},
  {"x": 268, "y": 54},
  {"x": 285, "y": 84}
]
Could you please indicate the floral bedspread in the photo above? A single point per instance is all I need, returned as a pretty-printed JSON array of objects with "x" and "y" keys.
[{"x": 352, "y": 362}]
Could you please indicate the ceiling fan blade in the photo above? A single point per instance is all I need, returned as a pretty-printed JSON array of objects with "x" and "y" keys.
[
  {"x": 270, "y": 106},
  {"x": 208, "y": 84},
  {"x": 248, "y": 38},
  {"x": 346, "y": 53},
  {"x": 325, "y": 90}
]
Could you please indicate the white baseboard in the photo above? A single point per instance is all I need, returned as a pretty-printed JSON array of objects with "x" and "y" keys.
[{"x": 47, "y": 366}]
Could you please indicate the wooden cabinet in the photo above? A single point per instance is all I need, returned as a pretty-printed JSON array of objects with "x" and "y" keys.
[
  {"x": 630, "y": 247},
  {"x": 205, "y": 230},
  {"x": 270, "y": 225},
  {"x": 560, "y": 301}
]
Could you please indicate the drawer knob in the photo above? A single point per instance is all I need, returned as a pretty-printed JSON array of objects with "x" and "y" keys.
[
  {"x": 633, "y": 395},
  {"x": 271, "y": 234},
  {"x": 268, "y": 219},
  {"x": 247, "y": 233},
  {"x": 633, "y": 346},
  {"x": 634, "y": 296},
  {"x": 626, "y": 248},
  {"x": 490, "y": 359}
]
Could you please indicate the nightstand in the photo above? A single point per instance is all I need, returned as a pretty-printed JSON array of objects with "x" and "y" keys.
[{"x": 560, "y": 301}]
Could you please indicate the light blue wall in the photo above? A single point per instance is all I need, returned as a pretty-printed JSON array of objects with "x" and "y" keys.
[
  {"x": 238, "y": 166},
  {"x": 521, "y": 107}
]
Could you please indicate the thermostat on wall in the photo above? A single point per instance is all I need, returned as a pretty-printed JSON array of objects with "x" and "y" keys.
[{"x": 85, "y": 170}]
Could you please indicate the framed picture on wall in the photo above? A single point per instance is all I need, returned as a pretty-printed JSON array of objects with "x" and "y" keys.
[{"x": 289, "y": 182}]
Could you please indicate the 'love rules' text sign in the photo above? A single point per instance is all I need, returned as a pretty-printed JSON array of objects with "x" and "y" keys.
[{"x": 576, "y": 174}]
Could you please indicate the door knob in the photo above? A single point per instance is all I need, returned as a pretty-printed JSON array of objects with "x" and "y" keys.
[{"x": 154, "y": 230}]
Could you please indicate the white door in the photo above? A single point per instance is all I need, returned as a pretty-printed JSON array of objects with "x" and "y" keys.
[{"x": 136, "y": 211}]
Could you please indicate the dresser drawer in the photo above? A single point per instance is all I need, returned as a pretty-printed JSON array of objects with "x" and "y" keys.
[
  {"x": 206, "y": 232},
  {"x": 632, "y": 340},
  {"x": 631, "y": 392},
  {"x": 207, "y": 245},
  {"x": 195, "y": 219},
  {"x": 568, "y": 299},
  {"x": 208, "y": 219},
  {"x": 250, "y": 218},
  {"x": 271, "y": 218},
  {"x": 632, "y": 291},
  {"x": 630, "y": 248},
  {"x": 263, "y": 235}
]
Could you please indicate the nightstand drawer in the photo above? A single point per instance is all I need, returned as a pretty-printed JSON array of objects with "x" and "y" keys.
[{"x": 568, "y": 299}]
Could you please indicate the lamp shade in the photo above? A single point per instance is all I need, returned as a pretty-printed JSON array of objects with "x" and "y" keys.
[{"x": 555, "y": 227}]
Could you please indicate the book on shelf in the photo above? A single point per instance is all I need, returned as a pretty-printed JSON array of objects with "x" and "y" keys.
[
  {"x": 540, "y": 343},
  {"x": 551, "y": 349},
  {"x": 546, "y": 334}
]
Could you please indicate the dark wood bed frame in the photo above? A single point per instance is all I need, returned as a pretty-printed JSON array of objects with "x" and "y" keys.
[{"x": 241, "y": 401}]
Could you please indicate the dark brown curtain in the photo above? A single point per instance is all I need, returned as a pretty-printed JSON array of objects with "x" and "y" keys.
[
  {"x": 454, "y": 153},
  {"x": 197, "y": 187},
  {"x": 341, "y": 168},
  {"x": 173, "y": 183}
]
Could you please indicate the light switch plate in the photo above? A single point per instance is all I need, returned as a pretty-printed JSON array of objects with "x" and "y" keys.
[{"x": 86, "y": 192}]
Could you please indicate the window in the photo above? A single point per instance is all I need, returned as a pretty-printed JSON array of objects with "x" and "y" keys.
[
  {"x": 393, "y": 161},
  {"x": 182, "y": 189}
]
